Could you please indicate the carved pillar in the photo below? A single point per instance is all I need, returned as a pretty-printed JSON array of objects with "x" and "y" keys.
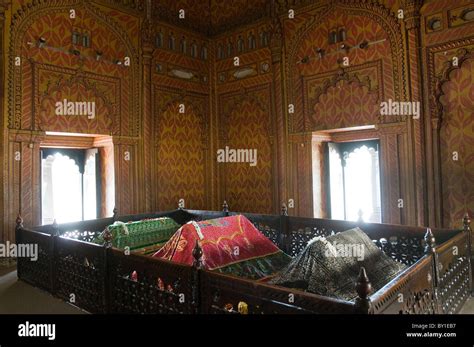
[
  {"x": 435, "y": 194},
  {"x": 2, "y": 139},
  {"x": 301, "y": 175},
  {"x": 279, "y": 112},
  {"x": 467, "y": 229},
  {"x": 417, "y": 182},
  {"x": 214, "y": 177},
  {"x": 127, "y": 159},
  {"x": 147, "y": 156}
]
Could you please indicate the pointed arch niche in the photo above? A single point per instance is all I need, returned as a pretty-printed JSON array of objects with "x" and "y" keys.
[{"x": 456, "y": 139}]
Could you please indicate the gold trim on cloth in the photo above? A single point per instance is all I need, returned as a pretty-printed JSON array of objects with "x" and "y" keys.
[{"x": 219, "y": 239}]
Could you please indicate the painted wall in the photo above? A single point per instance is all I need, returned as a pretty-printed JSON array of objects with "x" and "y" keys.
[
  {"x": 38, "y": 77},
  {"x": 245, "y": 115},
  {"x": 328, "y": 95},
  {"x": 173, "y": 154},
  {"x": 343, "y": 89},
  {"x": 449, "y": 94}
]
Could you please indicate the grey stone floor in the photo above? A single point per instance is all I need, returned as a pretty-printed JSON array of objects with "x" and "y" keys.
[
  {"x": 468, "y": 307},
  {"x": 21, "y": 298},
  {"x": 18, "y": 297}
]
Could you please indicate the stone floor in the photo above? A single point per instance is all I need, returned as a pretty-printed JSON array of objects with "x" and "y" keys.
[
  {"x": 21, "y": 298},
  {"x": 468, "y": 307},
  {"x": 18, "y": 297}
]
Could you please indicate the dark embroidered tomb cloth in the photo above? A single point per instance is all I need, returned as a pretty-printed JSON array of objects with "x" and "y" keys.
[{"x": 330, "y": 266}]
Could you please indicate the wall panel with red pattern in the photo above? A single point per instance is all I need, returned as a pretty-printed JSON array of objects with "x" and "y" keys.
[{"x": 282, "y": 61}]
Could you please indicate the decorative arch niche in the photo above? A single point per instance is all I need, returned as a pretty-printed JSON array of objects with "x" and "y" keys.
[
  {"x": 246, "y": 125},
  {"x": 456, "y": 136},
  {"x": 180, "y": 156},
  {"x": 361, "y": 21},
  {"x": 344, "y": 102},
  {"x": 105, "y": 120},
  {"x": 51, "y": 20}
]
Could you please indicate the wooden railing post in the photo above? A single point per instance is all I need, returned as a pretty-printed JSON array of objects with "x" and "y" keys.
[
  {"x": 18, "y": 228},
  {"x": 430, "y": 250},
  {"x": 225, "y": 208},
  {"x": 197, "y": 255},
  {"x": 54, "y": 256},
  {"x": 107, "y": 278},
  {"x": 19, "y": 222},
  {"x": 196, "y": 285},
  {"x": 430, "y": 242},
  {"x": 284, "y": 241},
  {"x": 467, "y": 229},
  {"x": 115, "y": 215},
  {"x": 362, "y": 303}
]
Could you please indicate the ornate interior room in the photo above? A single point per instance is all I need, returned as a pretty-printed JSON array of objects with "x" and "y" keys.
[{"x": 359, "y": 114}]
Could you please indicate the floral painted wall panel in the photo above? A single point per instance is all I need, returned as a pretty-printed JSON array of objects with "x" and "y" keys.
[
  {"x": 180, "y": 158},
  {"x": 247, "y": 126},
  {"x": 457, "y": 142}
]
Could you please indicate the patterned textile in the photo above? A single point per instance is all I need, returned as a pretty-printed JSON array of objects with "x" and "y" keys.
[
  {"x": 330, "y": 266},
  {"x": 230, "y": 245},
  {"x": 143, "y": 236}
]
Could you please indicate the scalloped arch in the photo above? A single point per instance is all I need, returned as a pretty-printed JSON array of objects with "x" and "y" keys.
[
  {"x": 110, "y": 116},
  {"x": 376, "y": 11},
  {"x": 346, "y": 78},
  {"x": 26, "y": 15},
  {"x": 465, "y": 56}
]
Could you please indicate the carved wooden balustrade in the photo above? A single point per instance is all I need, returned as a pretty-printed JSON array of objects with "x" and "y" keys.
[
  {"x": 139, "y": 284},
  {"x": 38, "y": 273},
  {"x": 454, "y": 271},
  {"x": 102, "y": 279}
]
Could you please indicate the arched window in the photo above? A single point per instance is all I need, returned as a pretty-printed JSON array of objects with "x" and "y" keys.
[
  {"x": 220, "y": 51},
  {"x": 264, "y": 39},
  {"x": 230, "y": 49},
  {"x": 342, "y": 35},
  {"x": 204, "y": 52},
  {"x": 76, "y": 38},
  {"x": 68, "y": 185},
  {"x": 240, "y": 45},
  {"x": 354, "y": 177},
  {"x": 252, "y": 42},
  {"x": 183, "y": 45},
  {"x": 194, "y": 50},
  {"x": 332, "y": 37},
  {"x": 171, "y": 42},
  {"x": 159, "y": 40}
]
